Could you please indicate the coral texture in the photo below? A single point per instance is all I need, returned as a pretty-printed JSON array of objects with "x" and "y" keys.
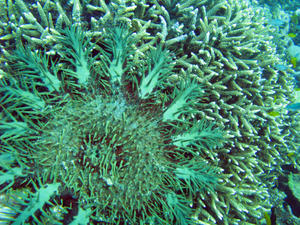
[{"x": 120, "y": 116}]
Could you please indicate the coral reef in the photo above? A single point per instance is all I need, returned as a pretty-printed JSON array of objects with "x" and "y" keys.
[
  {"x": 289, "y": 4},
  {"x": 294, "y": 180},
  {"x": 139, "y": 91}
]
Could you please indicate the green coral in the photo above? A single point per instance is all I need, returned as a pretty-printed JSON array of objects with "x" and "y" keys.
[
  {"x": 226, "y": 46},
  {"x": 294, "y": 184}
]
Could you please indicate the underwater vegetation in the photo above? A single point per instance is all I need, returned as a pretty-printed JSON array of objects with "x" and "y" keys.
[{"x": 142, "y": 112}]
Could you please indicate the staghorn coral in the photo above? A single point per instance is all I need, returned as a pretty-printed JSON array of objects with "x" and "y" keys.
[{"x": 227, "y": 47}]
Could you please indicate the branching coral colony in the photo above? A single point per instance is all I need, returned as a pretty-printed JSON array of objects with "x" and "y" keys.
[
  {"x": 97, "y": 139},
  {"x": 142, "y": 72}
]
